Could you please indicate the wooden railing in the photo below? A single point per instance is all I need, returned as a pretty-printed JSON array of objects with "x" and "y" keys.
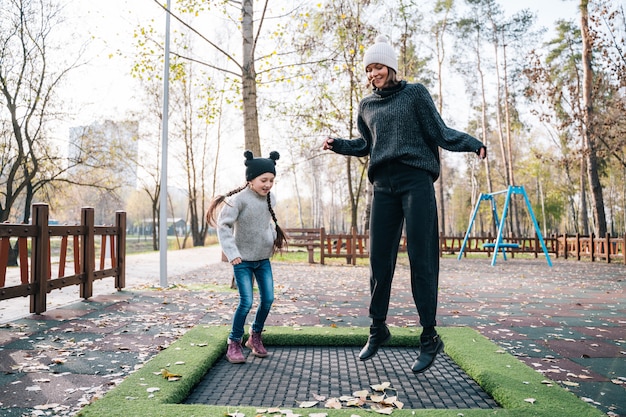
[
  {"x": 36, "y": 278},
  {"x": 608, "y": 248},
  {"x": 351, "y": 246}
]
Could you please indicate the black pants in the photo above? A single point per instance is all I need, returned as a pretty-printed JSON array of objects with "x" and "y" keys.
[{"x": 403, "y": 194}]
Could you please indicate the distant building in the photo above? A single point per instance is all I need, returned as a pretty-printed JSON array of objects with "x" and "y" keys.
[{"x": 107, "y": 147}]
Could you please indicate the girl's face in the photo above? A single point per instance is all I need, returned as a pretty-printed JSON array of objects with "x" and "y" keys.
[
  {"x": 262, "y": 184},
  {"x": 377, "y": 75}
]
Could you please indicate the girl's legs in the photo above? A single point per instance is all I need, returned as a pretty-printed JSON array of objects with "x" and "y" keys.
[
  {"x": 265, "y": 280},
  {"x": 244, "y": 274},
  {"x": 243, "y": 277}
]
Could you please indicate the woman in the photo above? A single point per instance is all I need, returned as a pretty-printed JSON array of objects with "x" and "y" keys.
[{"x": 401, "y": 131}]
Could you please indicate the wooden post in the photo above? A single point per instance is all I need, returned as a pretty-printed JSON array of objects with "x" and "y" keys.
[
  {"x": 89, "y": 253},
  {"x": 77, "y": 266},
  {"x": 322, "y": 242},
  {"x": 39, "y": 259},
  {"x": 592, "y": 247},
  {"x": 577, "y": 246},
  {"x": 22, "y": 243},
  {"x": 352, "y": 247},
  {"x": 536, "y": 246},
  {"x": 120, "y": 276},
  {"x": 62, "y": 256},
  {"x": 5, "y": 243},
  {"x": 607, "y": 247}
]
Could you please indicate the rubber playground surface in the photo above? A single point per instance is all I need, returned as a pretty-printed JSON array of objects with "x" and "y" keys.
[{"x": 567, "y": 322}]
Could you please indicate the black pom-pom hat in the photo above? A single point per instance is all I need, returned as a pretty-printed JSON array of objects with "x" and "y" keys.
[{"x": 259, "y": 166}]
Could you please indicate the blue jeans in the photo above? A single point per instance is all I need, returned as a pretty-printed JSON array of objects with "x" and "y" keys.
[
  {"x": 404, "y": 196},
  {"x": 244, "y": 274}
]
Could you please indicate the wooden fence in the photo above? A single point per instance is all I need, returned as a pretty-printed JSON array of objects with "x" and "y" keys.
[
  {"x": 351, "y": 246},
  {"x": 35, "y": 272}
]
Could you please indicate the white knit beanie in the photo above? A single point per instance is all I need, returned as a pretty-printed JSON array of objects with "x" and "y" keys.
[{"x": 381, "y": 53}]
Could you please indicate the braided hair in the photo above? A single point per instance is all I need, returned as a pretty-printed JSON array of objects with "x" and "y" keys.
[{"x": 281, "y": 239}]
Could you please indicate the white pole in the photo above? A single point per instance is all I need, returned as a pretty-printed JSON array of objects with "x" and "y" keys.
[{"x": 164, "y": 133}]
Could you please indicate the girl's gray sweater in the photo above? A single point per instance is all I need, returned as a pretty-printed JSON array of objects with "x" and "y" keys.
[
  {"x": 245, "y": 228},
  {"x": 403, "y": 125}
]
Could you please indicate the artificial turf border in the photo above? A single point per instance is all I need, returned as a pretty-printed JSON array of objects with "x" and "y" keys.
[{"x": 509, "y": 381}]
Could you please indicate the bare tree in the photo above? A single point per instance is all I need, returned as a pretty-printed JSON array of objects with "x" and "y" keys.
[{"x": 29, "y": 80}]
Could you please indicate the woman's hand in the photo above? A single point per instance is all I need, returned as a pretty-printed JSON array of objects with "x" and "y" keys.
[
  {"x": 482, "y": 152},
  {"x": 235, "y": 261},
  {"x": 328, "y": 144}
]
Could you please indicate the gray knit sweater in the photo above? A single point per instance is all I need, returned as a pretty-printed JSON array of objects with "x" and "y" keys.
[
  {"x": 245, "y": 228},
  {"x": 403, "y": 125}
]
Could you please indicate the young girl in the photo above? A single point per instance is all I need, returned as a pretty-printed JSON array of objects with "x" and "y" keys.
[
  {"x": 248, "y": 239},
  {"x": 402, "y": 131}
]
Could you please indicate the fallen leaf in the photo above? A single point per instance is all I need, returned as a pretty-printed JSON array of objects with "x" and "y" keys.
[
  {"x": 170, "y": 376},
  {"x": 389, "y": 400},
  {"x": 377, "y": 398},
  {"x": 333, "y": 403},
  {"x": 308, "y": 404},
  {"x": 361, "y": 394},
  {"x": 320, "y": 397},
  {"x": 381, "y": 387},
  {"x": 382, "y": 409},
  {"x": 530, "y": 400},
  {"x": 355, "y": 402}
]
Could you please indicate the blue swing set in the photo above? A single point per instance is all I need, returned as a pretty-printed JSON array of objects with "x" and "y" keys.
[{"x": 499, "y": 244}]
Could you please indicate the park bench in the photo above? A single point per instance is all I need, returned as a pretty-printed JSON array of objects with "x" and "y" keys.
[{"x": 308, "y": 238}]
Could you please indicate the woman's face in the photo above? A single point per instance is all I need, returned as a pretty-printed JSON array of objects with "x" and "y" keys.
[
  {"x": 263, "y": 183},
  {"x": 377, "y": 75}
]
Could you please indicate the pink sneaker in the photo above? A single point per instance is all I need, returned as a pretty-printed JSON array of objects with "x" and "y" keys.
[
  {"x": 234, "y": 354},
  {"x": 256, "y": 344}
]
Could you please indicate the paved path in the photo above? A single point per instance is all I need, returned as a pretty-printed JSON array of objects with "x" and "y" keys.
[
  {"x": 142, "y": 270},
  {"x": 567, "y": 322}
]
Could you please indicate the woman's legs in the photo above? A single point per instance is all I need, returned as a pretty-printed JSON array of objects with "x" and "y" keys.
[
  {"x": 386, "y": 220},
  {"x": 420, "y": 210}
]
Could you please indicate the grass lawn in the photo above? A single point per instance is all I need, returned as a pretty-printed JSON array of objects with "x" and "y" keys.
[{"x": 518, "y": 389}]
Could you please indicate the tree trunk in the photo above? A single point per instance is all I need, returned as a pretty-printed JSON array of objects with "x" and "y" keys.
[
  {"x": 248, "y": 85},
  {"x": 589, "y": 139}
]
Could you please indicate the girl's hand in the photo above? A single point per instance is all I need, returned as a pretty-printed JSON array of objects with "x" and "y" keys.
[
  {"x": 328, "y": 144},
  {"x": 482, "y": 152},
  {"x": 236, "y": 261}
]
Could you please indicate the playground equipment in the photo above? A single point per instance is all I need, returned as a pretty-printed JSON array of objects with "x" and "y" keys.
[{"x": 499, "y": 245}]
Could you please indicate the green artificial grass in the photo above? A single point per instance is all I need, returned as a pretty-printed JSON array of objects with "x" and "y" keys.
[{"x": 518, "y": 389}]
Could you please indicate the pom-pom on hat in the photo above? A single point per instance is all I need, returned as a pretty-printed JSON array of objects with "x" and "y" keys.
[
  {"x": 259, "y": 166},
  {"x": 381, "y": 53}
]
